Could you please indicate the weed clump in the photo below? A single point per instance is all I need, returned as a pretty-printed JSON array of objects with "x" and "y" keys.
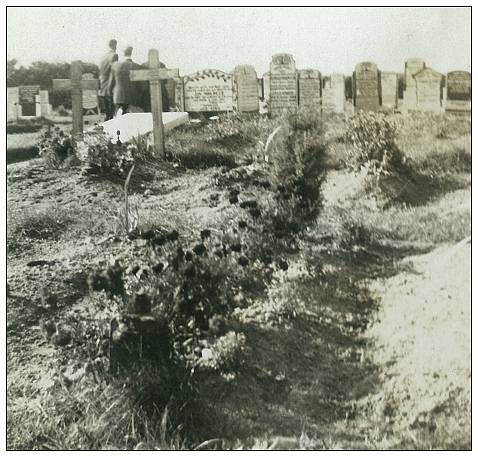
[{"x": 373, "y": 138}]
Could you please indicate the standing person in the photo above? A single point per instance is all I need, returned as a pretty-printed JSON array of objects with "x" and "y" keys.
[
  {"x": 120, "y": 86},
  {"x": 105, "y": 98}
]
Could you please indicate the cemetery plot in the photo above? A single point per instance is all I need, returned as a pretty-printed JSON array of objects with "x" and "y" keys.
[
  {"x": 428, "y": 83},
  {"x": 208, "y": 90},
  {"x": 366, "y": 87},
  {"x": 247, "y": 88},
  {"x": 333, "y": 94},
  {"x": 389, "y": 89},
  {"x": 27, "y": 99},
  {"x": 310, "y": 89},
  {"x": 458, "y": 91},
  {"x": 283, "y": 84}
]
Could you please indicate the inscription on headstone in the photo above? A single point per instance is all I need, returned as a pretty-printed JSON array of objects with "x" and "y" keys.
[
  {"x": 366, "y": 87},
  {"x": 428, "y": 83},
  {"x": 208, "y": 90},
  {"x": 389, "y": 89},
  {"x": 247, "y": 88},
  {"x": 458, "y": 91},
  {"x": 27, "y": 99},
  {"x": 310, "y": 89},
  {"x": 283, "y": 84}
]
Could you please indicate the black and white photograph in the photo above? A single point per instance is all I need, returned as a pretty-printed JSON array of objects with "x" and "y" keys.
[{"x": 237, "y": 228}]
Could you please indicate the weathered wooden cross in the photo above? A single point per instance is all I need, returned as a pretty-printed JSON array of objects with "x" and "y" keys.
[
  {"x": 154, "y": 75},
  {"x": 76, "y": 84}
]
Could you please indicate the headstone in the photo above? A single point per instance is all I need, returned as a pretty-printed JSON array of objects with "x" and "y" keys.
[
  {"x": 310, "y": 89},
  {"x": 333, "y": 94},
  {"x": 247, "y": 89},
  {"x": 27, "y": 99},
  {"x": 131, "y": 125},
  {"x": 428, "y": 83},
  {"x": 43, "y": 107},
  {"x": 389, "y": 89},
  {"x": 412, "y": 67},
  {"x": 90, "y": 97},
  {"x": 208, "y": 90},
  {"x": 366, "y": 87},
  {"x": 13, "y": 106},
  {"x": 283, "y": 84},
  {"x": 458, "y": 91}
]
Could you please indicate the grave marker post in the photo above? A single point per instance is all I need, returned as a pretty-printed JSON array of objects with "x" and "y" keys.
[
  {"x": 154, "y": 74},
  {"x": 76, "y": 85}
]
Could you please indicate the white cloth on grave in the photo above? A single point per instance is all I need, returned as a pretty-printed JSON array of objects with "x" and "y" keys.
[{"x": 131, "y": 125}]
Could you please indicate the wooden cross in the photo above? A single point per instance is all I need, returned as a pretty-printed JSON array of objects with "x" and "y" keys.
[
  {"x": 76, "y": 85},
  {"x": 154, "y": 75}
]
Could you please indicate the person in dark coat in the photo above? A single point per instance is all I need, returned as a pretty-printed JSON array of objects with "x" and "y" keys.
[
  {"x": 120, "y": 85},
  {"x": 105, "y": 99}
]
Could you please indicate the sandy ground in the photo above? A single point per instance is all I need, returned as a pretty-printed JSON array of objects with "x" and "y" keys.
[{"x": 422, "y": 339}]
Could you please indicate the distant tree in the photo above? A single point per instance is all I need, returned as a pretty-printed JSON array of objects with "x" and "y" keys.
[{"x": 41, "y": 73}]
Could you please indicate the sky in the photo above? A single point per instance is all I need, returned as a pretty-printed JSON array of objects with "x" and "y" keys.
[{"x": 330, "y": 39}]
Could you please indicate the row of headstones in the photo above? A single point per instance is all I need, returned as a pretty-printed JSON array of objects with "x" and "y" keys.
[
  {"x": 24, "y": 101},
  {"x": 30, "y": 101},
  {"x": 425, "y": 88},
  {"x": 282, "y": 88}
]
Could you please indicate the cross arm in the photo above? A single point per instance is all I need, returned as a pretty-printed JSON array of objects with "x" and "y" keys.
[
  {"x": 65, "y": 84},
  {"x": 153, "y": 74}
]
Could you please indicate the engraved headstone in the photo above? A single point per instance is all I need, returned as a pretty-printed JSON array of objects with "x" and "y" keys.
[
  {"x": 333, "y": 93},
  {"x": 13, "y": 106},
  {"x": 247, "y": 88},
  {"x": 389, "y": 89},
  {"x": 208, "y": 90},
  {"x": 366, "y": 87},
  {"x": 412, "y": 67},
  {"x": 283, "y": 84},
  {"x": 27, "y": 99},
  {"x": 428, "y": 83},
  {"x": 458, "y": 91},
  {"x": 310, "y": 89}
]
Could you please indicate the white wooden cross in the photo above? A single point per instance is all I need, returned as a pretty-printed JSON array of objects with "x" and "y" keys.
[
  {"x": 76, "y": 84},
  {"x": 154, "y": 75}
]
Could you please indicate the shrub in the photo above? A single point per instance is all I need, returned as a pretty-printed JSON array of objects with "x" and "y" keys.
[
  {"x": 204, "y": 156},
  {"x": 99, "y": 154},
  {"x": 55, "y": 146},
  {"x": 297, "y": 164},
  {"x": 373, "y": 137}
]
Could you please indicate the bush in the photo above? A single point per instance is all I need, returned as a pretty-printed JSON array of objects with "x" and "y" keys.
[
  {"x": 204, "y": 156},
  {"x": 373, "y": 137},
  {"x": 298, "y": 164},
  {"x": 55, "y": 146},
  {"x": 99, "y": 154}
]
